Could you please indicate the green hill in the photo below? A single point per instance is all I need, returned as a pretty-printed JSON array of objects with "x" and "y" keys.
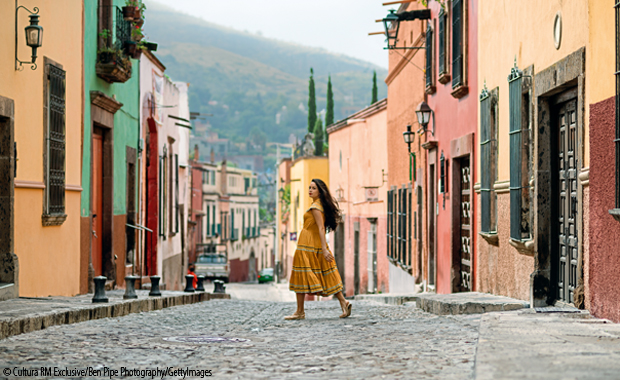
[{"x": 245, "y": 80}]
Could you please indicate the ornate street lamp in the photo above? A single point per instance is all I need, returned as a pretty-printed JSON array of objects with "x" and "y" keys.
[
  {"x": 391, "y": 23},
  {"x": 409, "y": 136},
  {"x": 34, "y": 37},
  {"x": 424, "y": 113}
]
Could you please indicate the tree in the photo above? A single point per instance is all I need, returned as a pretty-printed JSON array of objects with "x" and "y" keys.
[
  {"x": 318, "y": 137},
  {"x": 329, "y": 115},
  {"x": 311, "y": 103},
  {"x": 374, "y": 88}
]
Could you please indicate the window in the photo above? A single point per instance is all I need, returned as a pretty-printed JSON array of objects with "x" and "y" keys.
[
  {"x": 488, "y": 160},
  {"x": 520, "y": 225},
  {"x": 459, "y": 38},
  {"x": 55, "y": 146},
  {"x": 399, "y": 227},
  {"x": 163, "y": 193},
  {"x": 430, "y": 79},
  {"x": 442, "y": 54},
  {"x": 390, "y": 224},
  {"x": 208, "y": 224},
  {"x": 177, "y": 210}
]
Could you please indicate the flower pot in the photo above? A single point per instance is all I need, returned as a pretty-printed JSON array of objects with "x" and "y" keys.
[
  {"x": 137, "y": 14},
  {"x": 138, "y": 22},
  {"x": 130, "y": 47},
  {"x": 136, "y": 54},
  {"x": 128, "y": 13},
  {"x": 152, "y": 46}
]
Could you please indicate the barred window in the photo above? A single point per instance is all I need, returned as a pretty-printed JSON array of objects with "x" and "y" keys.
[
  {"x": 55, "y": 141},
  {"x": 442, "y": 33},
  {"x": 457, "y": 43},
  {"x": 488, "y": 161},
  {"x": 177, "y": 210},
  {"x": 430, "y": 80},
  {"x": 390, "y": 224},
  {"x": 519, "y": 158}
]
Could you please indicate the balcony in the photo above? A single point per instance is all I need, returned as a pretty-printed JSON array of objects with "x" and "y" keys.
[{"x": 113, "y": 63}]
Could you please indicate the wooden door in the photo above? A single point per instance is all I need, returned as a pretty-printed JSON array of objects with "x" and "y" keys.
[
  {"x": 464, "y": 248},
  {"x": 97, "y": 207},
  {"x": 567, "y": 201}
]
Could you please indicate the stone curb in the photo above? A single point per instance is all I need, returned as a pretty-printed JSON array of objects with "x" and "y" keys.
[
  {"x": 390, "y": 299},
  {"x": 116, "y": 308},
  {"x": 466, "y": 303}
]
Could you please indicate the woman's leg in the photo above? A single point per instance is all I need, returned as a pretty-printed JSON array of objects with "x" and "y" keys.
[
  {"x": 343, "y": 302},
  {"x": 300, "y": 303}
]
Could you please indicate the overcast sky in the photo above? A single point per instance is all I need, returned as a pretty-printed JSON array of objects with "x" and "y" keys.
[{"x": 340, "y": 26}]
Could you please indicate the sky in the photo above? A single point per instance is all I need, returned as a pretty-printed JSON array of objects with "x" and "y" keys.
[{"x": 339, "y": 26}]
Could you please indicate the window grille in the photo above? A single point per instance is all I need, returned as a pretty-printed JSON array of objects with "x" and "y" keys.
[
  {"x": 177, "y": 211},
  {"x": 55, "y": 187},
  {"x": 457, "y": 43},
  {"x": 429, "y": 56},
  {"x": 443, "y": 19},
  {"x": 617, "y": 73},
  {"x": 390, "y": 224},
  {"x": 485, "y": 158},
  {"x": 410, "y": 233},
  {"x": 515, "y": 80}
]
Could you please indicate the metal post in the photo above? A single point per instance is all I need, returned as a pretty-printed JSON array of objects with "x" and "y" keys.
[
  {"x": 100, "y": 289},
  {"x": 130, "y": 287},
  {"x": 199, "y": 286},
  {"x": 189, "y": 283},
  {"x": 155, "y": 287}
]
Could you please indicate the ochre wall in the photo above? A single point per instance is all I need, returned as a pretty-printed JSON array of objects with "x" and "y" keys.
[{"x": 49, "y": 257}]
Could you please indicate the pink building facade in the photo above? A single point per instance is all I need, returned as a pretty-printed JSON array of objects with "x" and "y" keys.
[
  {"x": 451, "y": 89},
  {"x": 358, "y": 179}
]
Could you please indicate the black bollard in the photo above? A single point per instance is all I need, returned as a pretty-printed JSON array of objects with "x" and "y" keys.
[
  {"x": 155, "y": 287},
  {"x": 219, "y": 286},
  {"x": 200, "y": 287},
  {"x": 189, "y": 283},
  {"x": 130, "y": 287},
  {"x": 100, "y": 289}
]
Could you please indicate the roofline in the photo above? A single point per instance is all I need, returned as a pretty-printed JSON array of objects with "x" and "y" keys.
[{"x": 366, "y": 112}]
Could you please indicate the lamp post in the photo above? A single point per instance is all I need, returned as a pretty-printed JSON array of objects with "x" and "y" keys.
[
  {"x": 391, "y": 23},
  {"x": 34, "y": 38},
  {"x": 409, "y": 136},
  {"x": 424, "y": 113}
]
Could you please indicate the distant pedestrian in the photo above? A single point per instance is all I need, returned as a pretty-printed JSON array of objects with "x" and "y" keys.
[
  {"x": 314, "y": 267},
  {"x": 191, "y": 270}
]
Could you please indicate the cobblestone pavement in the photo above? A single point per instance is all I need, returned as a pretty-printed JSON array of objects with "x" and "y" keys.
[{"x": 377, "y": 341}]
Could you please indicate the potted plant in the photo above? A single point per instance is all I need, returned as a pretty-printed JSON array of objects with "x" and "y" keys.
[
  {"x": 128, "y": 13},
  {"x": 136, "y": 34},
  {"x": 130, "y": 47},
  {"x": 138, "y": 8}
]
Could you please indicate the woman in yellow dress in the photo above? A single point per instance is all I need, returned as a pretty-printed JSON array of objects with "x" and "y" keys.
[{"x": 314, "y": 267}]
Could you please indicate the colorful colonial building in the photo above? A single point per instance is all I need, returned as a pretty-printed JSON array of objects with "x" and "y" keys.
[{"x": 358, "y": 174}]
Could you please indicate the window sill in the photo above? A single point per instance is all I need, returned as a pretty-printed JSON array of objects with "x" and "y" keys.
[
  {"x": 491, "y": 237},
  {"x": 615, "y": 213},
  {"x": 430, "y": 89},
  {"x": 444, "y": 78},
  {"x": 53, "y": 220},
  {"x": 525, "y": 247},
  {"x": 460, "y": 91}
]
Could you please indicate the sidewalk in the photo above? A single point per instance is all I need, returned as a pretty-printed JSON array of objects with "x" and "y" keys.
[
  {"x": 445, "y": 304},
  {"x": 22, "y": 315}
]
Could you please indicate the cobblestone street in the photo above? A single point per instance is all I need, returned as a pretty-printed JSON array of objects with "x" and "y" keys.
[{"x": 377, "y": 341}]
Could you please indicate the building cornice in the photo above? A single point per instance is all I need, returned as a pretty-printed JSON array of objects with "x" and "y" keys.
[{"x": 105, "y": 102}]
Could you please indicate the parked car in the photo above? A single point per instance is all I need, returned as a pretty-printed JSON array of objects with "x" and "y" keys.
[
  {"x": 213, "y": 266},
  {"x": 265, "y": 275}
]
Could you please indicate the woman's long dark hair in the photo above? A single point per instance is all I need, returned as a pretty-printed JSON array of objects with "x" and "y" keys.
[{"x": 331, "y": 211}]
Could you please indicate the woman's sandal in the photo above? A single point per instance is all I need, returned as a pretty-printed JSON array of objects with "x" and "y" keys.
[
  {"x": 348, "y": 311},
  {"x": 295, "y": 317}
]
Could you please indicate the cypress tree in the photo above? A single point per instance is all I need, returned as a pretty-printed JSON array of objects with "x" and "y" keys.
[
  {"x": 329, "y": 115},
  {"x": 311, "y": 103},
  {"x": 318, "y": 137},
  {"x": 374, "y": 88}
]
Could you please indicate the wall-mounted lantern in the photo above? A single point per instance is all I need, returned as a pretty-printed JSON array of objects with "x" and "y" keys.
[
  {"x": 391, "y": 23},
  {"x": 409, "y": 136},
  {"x": 424, "y": 113},
  {"x": 34, "y": 38}
]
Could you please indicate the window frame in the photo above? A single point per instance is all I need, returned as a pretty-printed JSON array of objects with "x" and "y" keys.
[
  {"x": 442, "y": 49},
  {"x": 459, "y": 56},
  {"x": 54, "y": 201},
  {"x": 430, "y": 59},
  {"x": 489, "y": 101}
]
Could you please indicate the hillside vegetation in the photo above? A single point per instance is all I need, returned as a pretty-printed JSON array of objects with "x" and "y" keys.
[{"x": 250, "y": 82}]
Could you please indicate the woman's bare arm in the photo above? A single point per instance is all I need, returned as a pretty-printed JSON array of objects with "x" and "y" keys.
[{"x": 318, "y": 218}]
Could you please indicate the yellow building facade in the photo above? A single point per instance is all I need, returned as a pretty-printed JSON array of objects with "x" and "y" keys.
[
  {"x": 41, "y": 116},
  {"x": 303, "y": 170},
  {"x": 533, "y": 149}
]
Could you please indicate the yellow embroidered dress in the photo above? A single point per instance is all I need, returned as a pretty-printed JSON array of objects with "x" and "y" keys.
[{"x": 311, "y": 272}]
